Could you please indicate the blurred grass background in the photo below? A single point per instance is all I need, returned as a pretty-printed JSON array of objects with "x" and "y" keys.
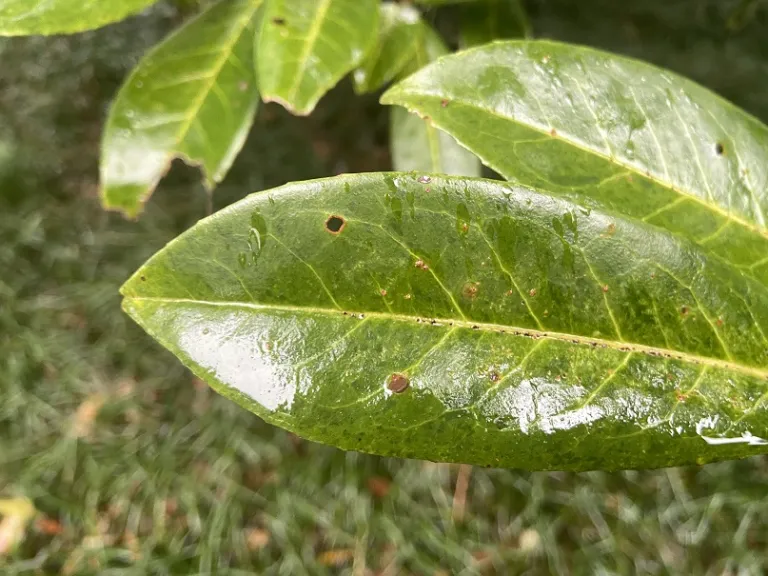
[{"x": 134, "y": 467}]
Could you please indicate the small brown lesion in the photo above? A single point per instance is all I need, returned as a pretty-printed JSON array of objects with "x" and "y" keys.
[
  {"x": 398, "y": 383},
  {"x": 719, "y": 149},
  {"x": 278, "y": 21},
  {"x": 335, "y": 224},
  {"x": 421, "y": 265},
  {"x": 470, "y": 290}
]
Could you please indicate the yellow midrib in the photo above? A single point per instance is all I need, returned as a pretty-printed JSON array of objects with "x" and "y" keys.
[{"x": 490, "y": 327}]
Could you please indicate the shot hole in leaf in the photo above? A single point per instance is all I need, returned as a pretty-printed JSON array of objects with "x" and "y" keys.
[{"x": 335, "y": 224}]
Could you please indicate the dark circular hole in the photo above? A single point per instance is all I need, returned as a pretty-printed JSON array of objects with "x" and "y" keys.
[
  {"x": 334, "y": 224},
  {"x": 720, "y": 149}
]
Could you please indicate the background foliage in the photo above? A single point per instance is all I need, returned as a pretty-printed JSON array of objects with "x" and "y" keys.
[{"x": 135, "y": 468}]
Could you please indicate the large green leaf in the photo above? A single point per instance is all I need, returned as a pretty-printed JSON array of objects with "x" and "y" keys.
[
  {"x": 488, "y": 20},
  {"x": 193, "y": 97},
  {"x": 26, "y": 17},
  {"x": 415, "y": 143},
  {"x": 305, "y": 48},
  {"x": 609, "y": 132},
  {"x": 466, "y": 320},
  {"x": 399, "y": 37}
]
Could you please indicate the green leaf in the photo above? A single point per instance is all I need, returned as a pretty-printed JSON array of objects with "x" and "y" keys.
[
  {"x": 28, "y": 17},
  {"x": 609, "y": 132},
  {"x": 305, "y": 48},
  {"x": 193, "y": 97},
  {"x": 416, "y": 144},
  {"x": 483, "y": 22},
  {"x": 400, "y": 34},
  {"x": 520, "y": 329}
]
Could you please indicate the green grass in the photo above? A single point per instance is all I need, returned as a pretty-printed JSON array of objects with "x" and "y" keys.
[{"x": 136, "y": 468}]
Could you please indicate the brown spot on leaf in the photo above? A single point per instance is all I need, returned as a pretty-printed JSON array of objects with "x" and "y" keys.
[
  {"x": 605, "y": 288},
  {"x": 719, "y": 322},
  {"x": 383, "y": 292},
  {"x": 470, "y": 290},
  {"x": 680, "y": 396},
  {"x": 444, "y": 103},
  {"x": 277, "y": 21},
  {"x": 397, "y": 383},
  {"x": 611, "y": 229},
  {"x": 407, "y": 296},
  {"x": 719, "y": 149},
  {"x": 143, "y": 278},
  {"x": 420, "y": 264},
  {"x": 532, "y": 292},
  {"x": 553, "y": 132},
  {"x": 684, "y": 310},
  {"x": 493, "y": 376},
  {"x": 335, "y": 224}
]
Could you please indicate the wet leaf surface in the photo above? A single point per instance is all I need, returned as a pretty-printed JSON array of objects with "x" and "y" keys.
[
  {"x": 28, "y": 17},
  {"x": 305, "y": 48},
  {"x": 608, "y": 132},
  {"x": 465, "y": 320},
  {"x": 193, "y": 97}
]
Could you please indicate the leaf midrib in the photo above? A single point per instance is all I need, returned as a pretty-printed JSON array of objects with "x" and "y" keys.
[
  {"x": 483, "y": 326},
  {"x": 309, "y": 43},
  {"x": 238, "y": 29},
  {"x": 388, "y": 99}
]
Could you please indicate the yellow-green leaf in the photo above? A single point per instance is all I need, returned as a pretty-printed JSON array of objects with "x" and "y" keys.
[
  {"x": 399, "y": 37},
  {"x": 193, "y": 97},
  {"x": 305, "y": 48},
  {"x": 28, "y": 17},
  {"x": 466, "y": 320},
  {"x": 609, "y": 132}
]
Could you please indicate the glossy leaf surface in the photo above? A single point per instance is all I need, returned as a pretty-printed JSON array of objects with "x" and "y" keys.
[
  {"x": 414, "y": 142},
  {"x": 28, "y": 17},
  {"x": 488, "y": 20},
  {"x": 465, "y": 320},
  {"x": 305, "y": 48},
  {"x": 608, "y": 132},
  {"x": 398, "y": 40},
  {"x": 193, "y": 97}
]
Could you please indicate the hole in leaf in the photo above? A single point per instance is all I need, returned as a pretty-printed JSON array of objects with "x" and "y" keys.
[
  {"x": 335, "y": 224},
  {"x": 720, "y": 149}
]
